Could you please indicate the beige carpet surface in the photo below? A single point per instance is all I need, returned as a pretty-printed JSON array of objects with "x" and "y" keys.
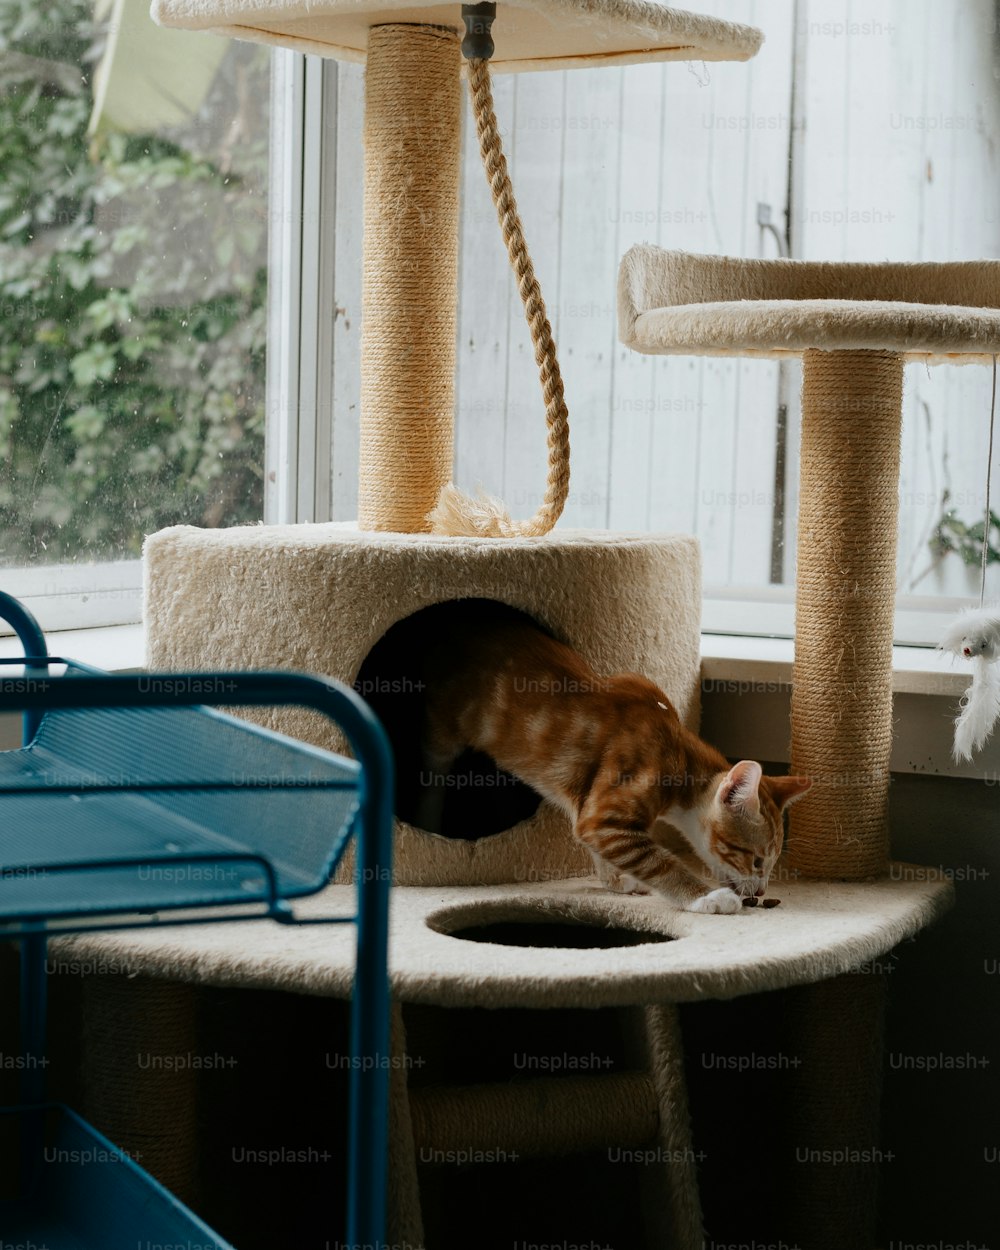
[
  {"x": 820, "y": 929},
  {"x": 679, "y": 303},
  {"x": 529, "y": 34}
]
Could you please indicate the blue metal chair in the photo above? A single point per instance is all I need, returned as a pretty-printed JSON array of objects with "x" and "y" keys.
[{"x": 123, "y": 780}]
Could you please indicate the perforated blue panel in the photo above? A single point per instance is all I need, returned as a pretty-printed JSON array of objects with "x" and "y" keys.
[{"x": 240, "y": 792}]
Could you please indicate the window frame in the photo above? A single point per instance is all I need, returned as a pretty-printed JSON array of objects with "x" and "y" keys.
[
  {"x": 79, "y": 595},
  {"x": 298, "y": 440}
]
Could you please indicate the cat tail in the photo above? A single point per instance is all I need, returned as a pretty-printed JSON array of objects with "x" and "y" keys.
[{"x": 980, "y": 709}]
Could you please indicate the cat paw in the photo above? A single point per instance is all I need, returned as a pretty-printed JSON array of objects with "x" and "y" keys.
[
  {"x": 615, "y": 882},
  {"x": 722, "y": 902}
]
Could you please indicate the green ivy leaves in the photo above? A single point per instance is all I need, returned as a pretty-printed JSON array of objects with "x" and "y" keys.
[
  {"x": 132, "y": 301},
  {"x": 953, "y": 535}
]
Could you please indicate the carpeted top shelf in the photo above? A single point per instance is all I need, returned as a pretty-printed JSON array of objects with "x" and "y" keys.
[
  {"x": 680, "y": 303},
  {"x": 529, "y": 34}
]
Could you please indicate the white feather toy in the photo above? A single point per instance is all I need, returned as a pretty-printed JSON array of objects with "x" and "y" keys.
[{"x": 975, "y": 636}]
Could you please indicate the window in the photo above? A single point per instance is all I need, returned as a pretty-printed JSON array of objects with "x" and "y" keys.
[
  {"x": 133, "y": 236},
  {"x": 133, "y": 283}
]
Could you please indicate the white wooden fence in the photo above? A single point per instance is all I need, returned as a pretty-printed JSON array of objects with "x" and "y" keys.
[{"x": 873, "y": 124}]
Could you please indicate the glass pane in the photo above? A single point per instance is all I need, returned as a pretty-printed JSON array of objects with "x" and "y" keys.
[{"x": 133, "y": 243}]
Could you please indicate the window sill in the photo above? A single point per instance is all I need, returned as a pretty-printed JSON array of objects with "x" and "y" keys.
[
  {"x": 114, "y": 648},
  {"x": 733, "y": 658},
  {"x": 927, "y": 686},
  {"x": 727, "y": 659}
]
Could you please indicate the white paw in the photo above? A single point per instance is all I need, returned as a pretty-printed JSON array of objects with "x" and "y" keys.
[{"x": 717, "y": 903}]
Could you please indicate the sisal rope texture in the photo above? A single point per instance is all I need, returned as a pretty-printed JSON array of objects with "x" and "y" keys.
[
  {"x": 135, "y": 1029},
  {"x": 845, "y": 594},
  {"x": 412, "y": 137}
]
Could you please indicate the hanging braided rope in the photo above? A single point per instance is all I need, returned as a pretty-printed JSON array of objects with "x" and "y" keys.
[{"x": 485, "y": 516}]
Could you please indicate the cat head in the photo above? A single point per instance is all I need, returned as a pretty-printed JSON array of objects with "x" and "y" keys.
[{"x": 739, "y": 824}]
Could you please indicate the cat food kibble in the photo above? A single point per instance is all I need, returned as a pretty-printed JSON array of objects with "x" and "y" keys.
[{"x": 750, "y": 901}]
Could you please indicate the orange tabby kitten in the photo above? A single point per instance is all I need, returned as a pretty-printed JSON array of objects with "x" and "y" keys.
[{"x": 611, "y": 752}]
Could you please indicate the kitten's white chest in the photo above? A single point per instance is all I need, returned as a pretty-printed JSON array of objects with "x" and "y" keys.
[{"x": 686, "y": 821}]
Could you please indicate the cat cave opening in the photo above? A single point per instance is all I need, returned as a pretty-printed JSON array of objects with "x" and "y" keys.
[
  {"x": 472, "y": 797},
  {"x": 553, "y": 928}
]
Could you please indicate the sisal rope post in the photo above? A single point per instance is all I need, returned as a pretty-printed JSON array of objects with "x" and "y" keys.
[
  {"x": 669, "y": 1193},
  {"x": 541, "y": 1118},
  {"x": 140, "y": 1088},
  {"x": 832, "y": 1148},
  {"x": 412, "y": 138},
  {"x": 404, "y": 1218},
  {"x": 845, "y": 595},
  {"x": 486, "y": 517}
]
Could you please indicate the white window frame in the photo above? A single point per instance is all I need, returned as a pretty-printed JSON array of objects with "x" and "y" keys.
[
  {"x": 739, "y": 624},
  {"x": 91, "y": 595},
  {"x": 301, "y": 291},
  {"x": 77, "y": 596}
]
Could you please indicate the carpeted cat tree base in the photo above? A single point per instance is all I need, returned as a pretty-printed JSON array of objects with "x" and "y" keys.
[
  {"x": 496, "y": 921},
  {"x": 821, "y": 930},
  {"x": 318, "y": 598}
]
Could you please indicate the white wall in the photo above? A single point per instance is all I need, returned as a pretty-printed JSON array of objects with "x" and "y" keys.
[
  {"x": 896, "y": 123},
  {"x": 898, "y": 160}
]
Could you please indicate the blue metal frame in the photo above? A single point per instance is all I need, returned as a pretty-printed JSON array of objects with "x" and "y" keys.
[{"x": 370, "y": 1042}]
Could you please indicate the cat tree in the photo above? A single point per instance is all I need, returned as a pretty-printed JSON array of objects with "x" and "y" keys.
[
  {"x": 854, "y": 325},
  {"x": 319, "y": 597}
]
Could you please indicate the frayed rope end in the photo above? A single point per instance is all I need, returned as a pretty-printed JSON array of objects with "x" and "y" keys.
[{"x": 483, "y": 516}]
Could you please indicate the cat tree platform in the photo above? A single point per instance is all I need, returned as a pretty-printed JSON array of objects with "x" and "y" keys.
[
  {"x": 819, "y": 931},
  {"x": 533, "y": 34},
  {"x": 683, "y": 304}
]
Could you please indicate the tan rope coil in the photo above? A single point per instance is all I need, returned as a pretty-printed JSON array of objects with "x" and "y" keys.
[
  {"x": 834, "y": 1030},
  {"x": 409, "y": 326},
  {"x": 140, "y": 1084},
  {"x": 487, "y": 517},
  {"x": 845, "y": 597},
  {"x": 548, "y": 1116}
]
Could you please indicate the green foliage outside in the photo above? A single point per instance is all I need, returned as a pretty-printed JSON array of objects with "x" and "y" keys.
[
  {"x": 953, "y": 534},
  {"x": 132, "y": 301}
]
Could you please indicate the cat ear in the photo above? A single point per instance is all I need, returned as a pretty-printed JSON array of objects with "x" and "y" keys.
[
  {"x": 740, "y": 785},
  {"x": 787, "y": 790}
]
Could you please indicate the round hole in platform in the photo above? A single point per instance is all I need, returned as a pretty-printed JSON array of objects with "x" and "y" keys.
[
  {"x": 556, "y": 936},
  {"x": 545, "y": 927},
  {"x": 476, "y": 798}
]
